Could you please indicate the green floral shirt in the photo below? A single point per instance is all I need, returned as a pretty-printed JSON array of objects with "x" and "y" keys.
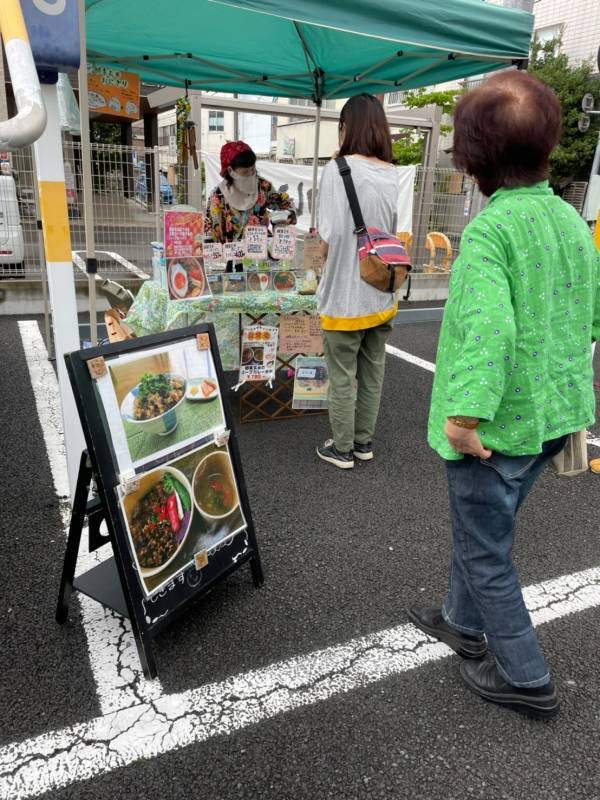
[{"x": 522, "y": 312}]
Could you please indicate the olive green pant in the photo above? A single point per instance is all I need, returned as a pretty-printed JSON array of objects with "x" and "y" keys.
[{"x": 356, "y": 365}]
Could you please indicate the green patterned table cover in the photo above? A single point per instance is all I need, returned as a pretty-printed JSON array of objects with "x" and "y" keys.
[{"x": 153, "y": 312}]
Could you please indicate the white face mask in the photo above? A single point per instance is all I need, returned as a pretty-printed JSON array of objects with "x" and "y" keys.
[{"x": 247, "y": 184}]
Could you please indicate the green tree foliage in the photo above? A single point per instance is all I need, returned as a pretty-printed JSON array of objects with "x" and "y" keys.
[
  {"x": 409, "y": 150},
  {"x": 573, "y": 157}
]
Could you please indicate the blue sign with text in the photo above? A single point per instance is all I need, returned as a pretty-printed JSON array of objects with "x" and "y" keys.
[{"x": 53, "y": 28}]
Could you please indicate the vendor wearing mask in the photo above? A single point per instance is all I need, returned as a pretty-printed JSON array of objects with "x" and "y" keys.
[{"x": 242, "y": 198}]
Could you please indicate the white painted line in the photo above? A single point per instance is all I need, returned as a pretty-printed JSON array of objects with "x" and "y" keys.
[
  {"x": 593, "y": 440},
  {"x": 59, "y": 758},
  {"x": 114, "y": 661},
  {"x": 420, "y": 362}
]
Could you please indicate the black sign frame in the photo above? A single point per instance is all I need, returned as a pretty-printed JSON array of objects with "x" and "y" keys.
[{"x": 115, "y": 582}]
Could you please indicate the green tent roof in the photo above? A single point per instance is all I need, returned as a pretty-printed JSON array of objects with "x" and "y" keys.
[{"x": 305, "y": 48}]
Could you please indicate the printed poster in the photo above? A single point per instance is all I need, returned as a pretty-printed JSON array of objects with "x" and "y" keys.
[
  {"x": 186, "y": 279},
  {"x": 300, "y": 333},
  {"x": 311, "y": 383},
  {"x": 179, "y": 512},
  {"x": 284, "y": 242},
  {"x": 259, "y": 353},
  {"x": 159, "y": 401},
  {"x": 184, "y": 234},
  {"x": 111, "y": 91},
  {"x": 256, "y": 242}
]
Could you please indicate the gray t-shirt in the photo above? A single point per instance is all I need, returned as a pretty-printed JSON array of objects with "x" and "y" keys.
[{"x": 343, "y": 298}]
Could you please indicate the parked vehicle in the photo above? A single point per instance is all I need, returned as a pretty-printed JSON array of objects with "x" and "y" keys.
[
  {"x": 12, "y": 245},
  {"x": 166, "y": 192}
]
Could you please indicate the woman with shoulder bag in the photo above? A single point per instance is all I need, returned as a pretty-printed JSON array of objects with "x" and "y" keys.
[{"x": 355, "y": 315}]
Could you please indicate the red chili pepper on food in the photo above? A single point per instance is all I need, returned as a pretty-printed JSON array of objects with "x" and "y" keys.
[{"x": 172, "y": 511}]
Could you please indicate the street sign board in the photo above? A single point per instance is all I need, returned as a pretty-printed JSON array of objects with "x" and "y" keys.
[
  {"x": 583, "y": 123},
  {"x": 587, "y": 104},
  {"x": 53, "y": 28}
]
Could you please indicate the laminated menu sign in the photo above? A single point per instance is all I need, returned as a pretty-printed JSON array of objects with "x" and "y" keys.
[
  {"x": 256, "y": 242},
  {"x": 259, "y": 351},
  {"x": 284, "y": 242},
  {"x": 312, "y": 258},
  {"x": 213, "y": 253},
  {"x": 311, "y": 383},
  {"x": 184, "y": 232},
  {"x": 300, "y": 334},
  {"x": 235, "y": 251}
]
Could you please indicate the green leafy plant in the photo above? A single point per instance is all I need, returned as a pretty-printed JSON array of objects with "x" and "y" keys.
[{"x": 573, "y": 157}]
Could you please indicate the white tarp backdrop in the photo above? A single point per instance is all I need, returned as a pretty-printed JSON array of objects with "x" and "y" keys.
[{"x": 296, "y": 180}]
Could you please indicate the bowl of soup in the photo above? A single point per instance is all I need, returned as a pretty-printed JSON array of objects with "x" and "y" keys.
[{"x": 214, "y": 488}]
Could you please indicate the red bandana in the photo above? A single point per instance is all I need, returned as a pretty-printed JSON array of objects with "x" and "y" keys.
[{"x": 230, "y": 151}]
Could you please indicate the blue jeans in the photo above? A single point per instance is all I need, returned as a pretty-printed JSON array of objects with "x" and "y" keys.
[{"x": 485, "y": 594}]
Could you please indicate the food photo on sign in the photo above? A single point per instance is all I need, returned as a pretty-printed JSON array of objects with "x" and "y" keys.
[
  {"x": 160, "y": 401},
  {"x": 259, "y": 352},
  {"x": 179, "y": 512},
  {"x": 186, "y": 279}
]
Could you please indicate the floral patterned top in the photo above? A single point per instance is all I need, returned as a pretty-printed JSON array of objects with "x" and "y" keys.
[
  {"x": 226, "y": 224},
  {"x": 523, "y": 309}
]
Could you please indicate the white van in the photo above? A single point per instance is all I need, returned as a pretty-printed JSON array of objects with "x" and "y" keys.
[{"x": 12, "y": 247}]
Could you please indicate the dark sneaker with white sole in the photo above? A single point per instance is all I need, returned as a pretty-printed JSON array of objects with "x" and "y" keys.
[
  {"x": 485, "y": 680},
  {"x": 364, "y": 452},
  {"x": 329, "y": 452},
  {"x": 431, "y": 622}
]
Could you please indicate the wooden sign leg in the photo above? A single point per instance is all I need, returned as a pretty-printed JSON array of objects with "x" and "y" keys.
[{"x": 82, "y": 489}]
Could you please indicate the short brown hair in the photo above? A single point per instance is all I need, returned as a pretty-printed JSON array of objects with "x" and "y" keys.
[
  {"x": 366, "y": 129},
  {"x": 505, "y": 130}
]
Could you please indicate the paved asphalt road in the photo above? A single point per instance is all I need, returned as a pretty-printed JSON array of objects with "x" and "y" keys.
[{"x": 344, "y": 554}]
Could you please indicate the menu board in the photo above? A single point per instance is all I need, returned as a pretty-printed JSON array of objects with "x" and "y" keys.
[
  {"x": 300, "y": 333},
  {"x": 184, "y": 234},
  {"x": 284, "y": 242},
  {"x": 311, "y": 256},
  {"x": 256, "y": 242},
  {"x": 235, "y": 251},
  {"x": 259, "y": 351},
  {"x": 164, "y": 456}
]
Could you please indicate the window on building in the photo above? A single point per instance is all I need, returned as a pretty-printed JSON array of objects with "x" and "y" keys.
[
  {"x": 216, "y": 120},
  {"x": 543, "y": 35}
]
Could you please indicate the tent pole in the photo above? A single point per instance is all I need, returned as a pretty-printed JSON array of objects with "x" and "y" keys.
[
  {"x": 86, "y": 169},
  {"x": 313, "y": 206}
]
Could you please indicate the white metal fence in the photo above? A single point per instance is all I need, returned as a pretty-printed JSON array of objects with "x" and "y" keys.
[{"x": 130, "y": 194}]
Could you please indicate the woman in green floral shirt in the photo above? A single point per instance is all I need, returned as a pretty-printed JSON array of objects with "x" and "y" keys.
[
  {"x": 513, "y": 377},
  {"x": 242, "y": 198}
]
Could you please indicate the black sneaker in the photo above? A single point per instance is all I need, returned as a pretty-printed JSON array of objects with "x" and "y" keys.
[
  {"x": 329, "y": 452},
  {"x": 485, "y": 680},
  {"x": 364, "y": 452},
  {"x": 431, "y": 622}
]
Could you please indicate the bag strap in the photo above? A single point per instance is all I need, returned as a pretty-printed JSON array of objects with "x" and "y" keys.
[{"x": 360, "y": 228}]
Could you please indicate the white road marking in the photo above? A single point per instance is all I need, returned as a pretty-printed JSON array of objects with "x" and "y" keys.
[
  {"x": 139, "y": 721},
  {"x": 114, "y": 661},
  {"x": 593, "y": 440},
  {"x": 58, "y": 758},
  {"x": 420, "y": 362}
]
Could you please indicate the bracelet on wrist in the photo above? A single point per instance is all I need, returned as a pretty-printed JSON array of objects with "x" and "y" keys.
[{"x": 462, "y": 422}]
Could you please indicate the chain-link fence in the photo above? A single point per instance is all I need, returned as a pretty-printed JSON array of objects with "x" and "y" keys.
[{"x": 131, "y": 189}]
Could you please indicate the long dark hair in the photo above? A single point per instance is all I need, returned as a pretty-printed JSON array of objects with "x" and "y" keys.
[
  {"x": 366, "y": 129},
  {"x": 505, "y": 130}
]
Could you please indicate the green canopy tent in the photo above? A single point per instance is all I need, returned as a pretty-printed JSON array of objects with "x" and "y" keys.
[{"x": 306, "y": 49}]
